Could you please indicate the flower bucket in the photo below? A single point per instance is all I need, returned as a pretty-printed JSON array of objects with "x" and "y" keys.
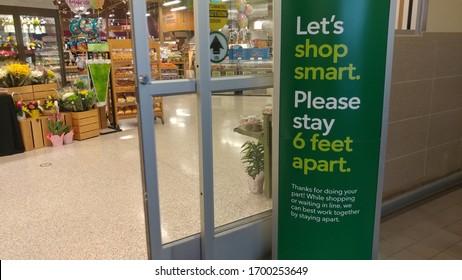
[
  {"x": 56, "y": 140},
  {"x": 49, "y": 112},
  {"x": 22, "y": 117},
  {"x": 68, "y": 137},
  {"x": 256, "y": 185},
  {"x": 35, "y": 114}
]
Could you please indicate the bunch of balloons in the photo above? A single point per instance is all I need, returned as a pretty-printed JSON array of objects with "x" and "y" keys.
[
  {"x": 86, "y": 26},
  {"x": 245, "y": 11},
  {"x": 81, "y": 6},
  {"x": 97, "y": 4}
]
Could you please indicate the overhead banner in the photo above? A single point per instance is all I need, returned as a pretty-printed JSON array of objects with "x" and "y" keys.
[{"x": 333, "y": 79}]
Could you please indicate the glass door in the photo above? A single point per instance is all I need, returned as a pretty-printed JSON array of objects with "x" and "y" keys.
[
  {"x": 40, "y": 40},
  {"x": 8, "y": 43},
  {"x": 198, "y": 202}
]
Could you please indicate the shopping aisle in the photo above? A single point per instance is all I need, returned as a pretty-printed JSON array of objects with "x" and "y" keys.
[{"x": 429, "y": 230}]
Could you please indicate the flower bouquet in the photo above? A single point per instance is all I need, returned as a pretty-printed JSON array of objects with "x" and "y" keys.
[
  {"x": 21, "y": 110},
  {"x": 77, "y": 98},
  {"x": 51, "y": 106},
  {"x": 6, "y": 55},
  {"x": 38, "y": 76},
  {"x": 33, "y": 109},
  {"x": 50, "y": 77},
  {"x": 15, "y": 75}
]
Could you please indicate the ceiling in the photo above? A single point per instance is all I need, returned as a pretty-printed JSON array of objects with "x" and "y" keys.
[{"x": 118, "y": 8}]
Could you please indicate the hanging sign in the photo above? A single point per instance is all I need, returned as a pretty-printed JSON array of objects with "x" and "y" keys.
[
  {"x": 218, "y": 14},
  {"x": 333, "y": 80}
]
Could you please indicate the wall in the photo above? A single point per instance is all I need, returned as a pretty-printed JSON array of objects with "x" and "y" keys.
[
  {"x": 425, "y": 123},
  {"x": 444, "y": 16}
]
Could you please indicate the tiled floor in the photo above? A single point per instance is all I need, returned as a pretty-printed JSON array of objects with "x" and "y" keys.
[
  {"x": 430, "y": 230},
  {"x": 84, "y": 201}
]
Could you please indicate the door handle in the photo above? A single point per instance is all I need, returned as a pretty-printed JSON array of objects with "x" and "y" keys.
[{"x": 143, "y": 79}]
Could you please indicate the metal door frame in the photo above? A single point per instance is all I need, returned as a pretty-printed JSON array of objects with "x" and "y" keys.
[{"x": 254, "y": 236}]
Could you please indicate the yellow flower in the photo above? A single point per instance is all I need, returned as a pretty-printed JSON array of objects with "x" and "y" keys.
[
  {"x": 50, "y": 74},
  {"x": 19, "y": 70}
]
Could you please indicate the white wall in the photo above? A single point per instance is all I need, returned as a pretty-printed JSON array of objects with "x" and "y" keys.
[
  {"x": 444, "y": 16},
  {"x": 45, "y": 4}
]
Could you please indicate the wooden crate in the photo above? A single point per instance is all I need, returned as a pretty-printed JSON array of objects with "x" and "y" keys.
[
  {"x": 43, "y": 91},
  {"x": 85, "y": 124},
  {"x": 33, "y": 132},
  {"x": 22, "y": 93}
]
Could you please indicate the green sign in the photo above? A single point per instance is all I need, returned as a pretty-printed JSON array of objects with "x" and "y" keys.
[{"x": 334, "y": 55}]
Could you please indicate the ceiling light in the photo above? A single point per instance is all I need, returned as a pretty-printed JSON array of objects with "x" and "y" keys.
[
  {"x": 111, "y": 15},
  {"x": 178, "y": 9},
  {"x": 148, "y": 14},
  {"x": 169, "y": 3},
  {"x": 128, "y": 13},
  {"x": 87, "y": 13}
]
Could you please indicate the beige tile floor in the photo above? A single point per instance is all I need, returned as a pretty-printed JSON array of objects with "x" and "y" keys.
[
  {"x": 84, "y": 201},
  {"x": 429, "y": 230}
]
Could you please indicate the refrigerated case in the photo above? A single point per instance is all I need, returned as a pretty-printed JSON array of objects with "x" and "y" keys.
[
  {"x": 40, "y": 40},
  {"x": 8, "y": 49},
  {"x": 33, "y": 35}
]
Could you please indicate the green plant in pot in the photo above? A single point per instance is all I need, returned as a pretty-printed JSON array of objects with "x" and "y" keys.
[
  {"x": 58, "y": 130},
  {"x": 253, "y": 158}
]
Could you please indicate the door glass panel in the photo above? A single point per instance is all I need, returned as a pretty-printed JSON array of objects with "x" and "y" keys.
[
  {"x": 41, "y": 42},
  {"x": 238, "y": 120},
  {"x": 242, "y": 119},
  {"x": 171, "y": 23},
  {"x": 8, "y": 45},
  {"x": 249, "y": 31},
  {"x": 177, "y": 165}
]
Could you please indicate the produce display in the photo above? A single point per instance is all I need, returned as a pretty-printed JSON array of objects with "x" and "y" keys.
[
  {"x": 122, "y": 55},
  {"x": 252, "y": 123},
  {"x": 124, "y": 71},
  {"x": 125, "y": 83}
]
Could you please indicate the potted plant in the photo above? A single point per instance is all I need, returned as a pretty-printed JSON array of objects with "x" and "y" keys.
[
  {"x": 253, "y": 158},
  {"x": 21, "y": 109},
  {"x": 57, "y": 130},
  {"x": 33, "y": 109},
  {"x": 50, "y": 107}
]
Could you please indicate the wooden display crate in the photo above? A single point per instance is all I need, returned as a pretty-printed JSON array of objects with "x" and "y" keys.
[
  {"x": 22, "y": 93},
  {"x": 34, "y": 131},
  {"x": 85, "y": 124},
  {"x": 34, "y": 92},
  {"x": 43, "y": 91}
]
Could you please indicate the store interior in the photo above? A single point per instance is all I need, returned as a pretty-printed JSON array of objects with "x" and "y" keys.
[
  {"x": 83, "y": 198},
  {"x": 91, "y": 189}
]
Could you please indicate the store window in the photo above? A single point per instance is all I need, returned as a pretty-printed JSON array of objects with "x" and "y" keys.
[{"x": 249, "y": 32}]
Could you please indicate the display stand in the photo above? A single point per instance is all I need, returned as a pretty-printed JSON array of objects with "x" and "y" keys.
[
  {"x": 265, "y": 138},
  {"x": 123, "y": 102}
]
